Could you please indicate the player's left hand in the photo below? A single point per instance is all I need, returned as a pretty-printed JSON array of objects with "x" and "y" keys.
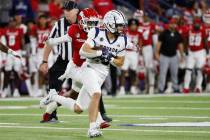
[{"x": 105, "y": 59}]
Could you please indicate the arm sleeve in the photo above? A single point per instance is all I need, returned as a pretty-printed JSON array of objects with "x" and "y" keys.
[
  {"x": 54, "y": 31},
  {"x": 126, "y": 44},
  {"x": 56, "y": 41}
]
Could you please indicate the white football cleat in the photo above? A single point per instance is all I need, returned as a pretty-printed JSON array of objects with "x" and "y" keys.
[
  {"x": 134, "y": 90},
  {"x": 16, "y": 93},
  {"x": 94, "y": 132},
  {"x": 151, "y": 90},
  {"x": 122, "y": 90},
  {"x": 48, "y": 99}
]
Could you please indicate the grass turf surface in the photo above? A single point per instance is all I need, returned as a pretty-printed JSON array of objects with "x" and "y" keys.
[{"x": 19, "y": 119}]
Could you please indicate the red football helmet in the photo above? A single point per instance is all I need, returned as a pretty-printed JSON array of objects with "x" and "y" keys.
[
  {"x": 88, "y": 18},
  {"x": 206, "y": 17}
]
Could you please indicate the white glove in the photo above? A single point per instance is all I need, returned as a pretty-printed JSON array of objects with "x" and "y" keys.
[{"x": 66, "y": 73}]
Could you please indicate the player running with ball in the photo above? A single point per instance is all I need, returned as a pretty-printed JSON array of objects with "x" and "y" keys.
[{"x": 103, "y": 47}]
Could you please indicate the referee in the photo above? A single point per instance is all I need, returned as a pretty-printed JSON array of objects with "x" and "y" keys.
[{"x": 65, "y": 50}]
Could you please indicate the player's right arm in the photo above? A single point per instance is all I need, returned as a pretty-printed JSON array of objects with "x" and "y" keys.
[
  {"x": 89, "y": 49},
  {"x": 55, "y": 41},
  {"x": 7, "y": 50}
]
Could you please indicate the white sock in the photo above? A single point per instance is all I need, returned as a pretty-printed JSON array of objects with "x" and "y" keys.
[
  {"x": 66, "y": 102},
  {"x": 187, "y": 79},
  {"x": 29, "y": 87},
  {"x": 151, "y": 77},
  {"x": 199, "y": 79},
  {"x": 51, "y": 107},
  {"x": 93, "y": 125},
  {"x": 99, "y": 118}
]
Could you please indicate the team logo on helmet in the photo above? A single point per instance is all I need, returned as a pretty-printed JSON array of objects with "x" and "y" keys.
[{"x": 101, "y": 39}]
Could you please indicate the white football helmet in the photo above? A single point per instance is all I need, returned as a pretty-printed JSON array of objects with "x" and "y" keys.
[{"x": 113, "y": 19}]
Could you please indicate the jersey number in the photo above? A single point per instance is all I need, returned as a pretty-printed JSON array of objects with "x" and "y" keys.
[
  {"x": 195, "y": 40},
  {"x": 208, "y": 37},
  {"x": 146, "y": 34},
  {"x": 11, "y": 40}
]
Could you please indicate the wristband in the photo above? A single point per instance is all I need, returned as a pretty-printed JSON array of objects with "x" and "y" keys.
[{"x": 44, "y": 62}]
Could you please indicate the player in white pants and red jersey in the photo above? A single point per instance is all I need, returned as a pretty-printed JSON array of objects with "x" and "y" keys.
[
  {"x": 147, "y": 30},
  {"x": 14, "y": 38},
  {"x": 5, "y": 49},
  {"x": 88, "y": 18},
  {"x": 206, "y": 19},
  {"x": 196, "y": 56},
  {"x": 131, "y": 58}
]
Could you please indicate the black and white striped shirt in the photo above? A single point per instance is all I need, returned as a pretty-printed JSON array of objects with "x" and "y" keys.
[{"x": 59, "y": 29}]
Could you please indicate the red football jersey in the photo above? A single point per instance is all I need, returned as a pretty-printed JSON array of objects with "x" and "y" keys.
[
  {"x": 1, "y": 32},
  {"x": 207, "y": 31},
  {"x": 32, "y": 31},
  {"x": 147, "y": 31},
  {"x": 14, "y": 38},
  {"x": 78, "y": 38},
  {"x": 41, "y": 32},
  {"x": 134, "y": 37},
  {"x": 196, "y": 39}
]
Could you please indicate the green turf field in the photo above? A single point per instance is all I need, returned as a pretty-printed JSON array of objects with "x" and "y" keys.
[{"x": 19, "y": 119}]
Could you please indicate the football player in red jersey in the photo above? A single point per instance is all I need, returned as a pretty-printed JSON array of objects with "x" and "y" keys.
[
  {"x": 77, "y": 34},
  {"x": 6, "y": 50},
  {"x": 147, "y": 29},
  {"x": 14, "y": 39},
  {"x": 37, "y": 34},
  {"x": 131, "y": 59},
  {"x": 42, "y": 31},
  {"x": 206, "y": 19},
  {"x": 196, "y": 55}
]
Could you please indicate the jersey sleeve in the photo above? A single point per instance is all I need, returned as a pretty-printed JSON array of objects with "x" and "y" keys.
[
  {"x": 91, "y": 37},
  {"x": 126, "y": 44},
  {"x": 54, "y": 31},
  {"x": 72, "y": 31}
]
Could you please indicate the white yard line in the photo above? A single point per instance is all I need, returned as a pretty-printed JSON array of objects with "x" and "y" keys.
[
  {"x": 112, "y": 115},
  {"x": 122, "y": 130},
  {"x": 156, "y": 101},
  {"x": 126, "y": 96},
  {"x": 158, "y": 108},
  {"x": 172, "y": 124},
  {"x": 9, "y": 123},
  {"x": 113, "y": 107}
]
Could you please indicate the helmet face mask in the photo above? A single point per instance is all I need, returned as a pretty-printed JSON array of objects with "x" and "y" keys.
[{"x": 88, "y": 19}]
